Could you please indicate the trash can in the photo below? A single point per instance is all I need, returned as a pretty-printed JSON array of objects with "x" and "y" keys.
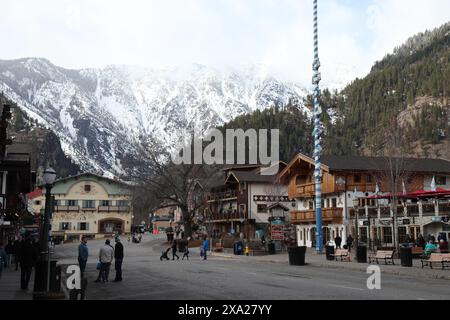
[
  {"x": 361, "y": 254},
  {"x": 297, "y": 256},
  {"x": 329, "y": 251},
  {"x": 271, "y": 248},
  {"x": 406, "y": 256}
]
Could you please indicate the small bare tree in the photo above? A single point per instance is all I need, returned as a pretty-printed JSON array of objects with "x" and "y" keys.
[
  {"x": 181, "y": 185},
  {"x": 393, "y": 168}
]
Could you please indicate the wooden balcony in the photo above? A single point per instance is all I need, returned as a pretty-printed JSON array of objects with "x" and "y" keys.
[
  {"x": 309, "y": 189},
  {"x": 412, "y": 210},
  {"x": 329, "y": 216},
  {"x": 113, "y": 209},
  {"x": 225, "y": 217},
  {"x": 67, "y": 208},
  {"x": 88, "y": 209},
  {"x": 222, "y": 196}
]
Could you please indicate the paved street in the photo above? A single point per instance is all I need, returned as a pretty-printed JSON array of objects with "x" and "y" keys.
[{"x": 146, "y": 277}]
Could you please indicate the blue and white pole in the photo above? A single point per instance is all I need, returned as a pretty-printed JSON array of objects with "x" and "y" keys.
[{"x": 317, "y": 135}]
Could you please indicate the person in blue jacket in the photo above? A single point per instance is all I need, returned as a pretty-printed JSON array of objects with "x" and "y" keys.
[
  {"x": 83, "y": 254},
  {"x": 205, "y": 247}
]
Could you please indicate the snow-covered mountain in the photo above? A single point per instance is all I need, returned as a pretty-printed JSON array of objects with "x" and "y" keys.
[{"x": 100, "y": 115}]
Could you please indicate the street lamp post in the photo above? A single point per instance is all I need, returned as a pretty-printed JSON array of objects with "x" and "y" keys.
[
  {"x": 49, "y": 179},
  {"x": 355, "y": 206}
]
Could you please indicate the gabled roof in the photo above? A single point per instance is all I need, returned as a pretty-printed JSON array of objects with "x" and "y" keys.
[
  {"x": 362, "y": 163},
  {"x": 256, "y": 175},
  {"x": 88, "y": 174},
  {"x": 381, "y": 163}
]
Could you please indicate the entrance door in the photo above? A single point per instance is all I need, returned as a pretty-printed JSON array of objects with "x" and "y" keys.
[{"x": 414, "y": 232}]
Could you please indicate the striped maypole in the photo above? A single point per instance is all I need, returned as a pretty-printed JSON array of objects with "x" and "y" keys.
[{"x": 317, "y": 136}]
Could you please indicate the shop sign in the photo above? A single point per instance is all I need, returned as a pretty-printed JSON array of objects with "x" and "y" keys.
[
  {"x": 277, "y": 232},
  {"x": 386, "y": 222}
]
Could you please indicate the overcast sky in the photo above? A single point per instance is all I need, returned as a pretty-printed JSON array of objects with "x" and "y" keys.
[{"x": 278, "y": 33}]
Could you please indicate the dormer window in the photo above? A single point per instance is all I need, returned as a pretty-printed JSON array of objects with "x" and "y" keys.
[{"x": 87, "y": 188}]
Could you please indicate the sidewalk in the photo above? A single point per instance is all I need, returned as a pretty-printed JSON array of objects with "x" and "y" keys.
[
  {"x": 10, "y": 286},
  {"x": 314, "y": 260}
]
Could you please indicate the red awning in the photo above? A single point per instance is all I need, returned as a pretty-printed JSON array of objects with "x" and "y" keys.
[{"x": 416, "y": 194}]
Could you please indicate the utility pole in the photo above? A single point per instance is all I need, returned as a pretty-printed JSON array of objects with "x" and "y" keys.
[{"x": 317, "y": 135}]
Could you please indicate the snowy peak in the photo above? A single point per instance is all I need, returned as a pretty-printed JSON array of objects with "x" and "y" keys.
[{"x": 100, "y": 115}]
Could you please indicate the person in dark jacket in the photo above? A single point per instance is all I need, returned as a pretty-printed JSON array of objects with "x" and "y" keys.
[
  {"x": 9, "y": 252},
  {"x": 16, "y": 252},
  {"x": 27, "y": 257},
  {"x": 338, "y": 242},
  {"x": 174, "y": 250},
  {"x": 118, "y": 256},
  {"x": 421, "y": 242},
  {"x": 349, "y": 242}
]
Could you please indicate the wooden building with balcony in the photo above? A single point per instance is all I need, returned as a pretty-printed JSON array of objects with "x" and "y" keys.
[
  {"x": 245, "y": 200},
  {"x": 343, "y": 179},
  {"x": 88, "y": 205}
]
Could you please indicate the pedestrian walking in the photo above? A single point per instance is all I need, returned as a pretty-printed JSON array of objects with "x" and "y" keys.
[
  {"x": 27, "y": 258},
  {"x": 338, "y": 242},
  {"x": 174, "y": 250},
  {"x": 83, "y": 254},
  {"x": 105, "y": 256},
  {"x": 186, "y": 251},
  {"x": 118, "y": 258},
  {"x": 164, "y": 254},
  {"x": 16, "y": 251},
  {"x": 205, "y": 248}
]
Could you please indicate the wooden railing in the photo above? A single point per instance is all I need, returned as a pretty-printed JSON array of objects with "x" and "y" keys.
[
  {"x": 217, "y": 216},
  {"x": 428, "y": 209},
  {"x": 113, "y": 209},
  {"x": 222, "y": 195},
  {"x": 67, "y": 208},
  {"x": 331, "y": 215}
]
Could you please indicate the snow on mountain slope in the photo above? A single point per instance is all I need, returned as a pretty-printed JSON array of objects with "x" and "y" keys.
[{"x": 100, "y": 114}]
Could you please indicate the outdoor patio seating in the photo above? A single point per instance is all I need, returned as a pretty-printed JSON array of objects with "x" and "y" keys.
[
  {"x": 387, "y": 256},
  {"x": 341, "y": 253},
  {"x": 440, "y": 258}
]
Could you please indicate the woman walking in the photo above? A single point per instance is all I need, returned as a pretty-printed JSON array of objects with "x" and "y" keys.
[{"x": 174, "y": 250}]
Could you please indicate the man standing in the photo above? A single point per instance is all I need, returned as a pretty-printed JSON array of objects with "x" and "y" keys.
[
  {"x": 118, "y": 256},
  {"x": 16, "y": 251},
  {"x": 27, "y": 257},
  {"x": 338, "y": 242},
  {"x": 349, "y": 243},
  {"x": 105, "y": 256},
  {"x": 83, "y": 254}
]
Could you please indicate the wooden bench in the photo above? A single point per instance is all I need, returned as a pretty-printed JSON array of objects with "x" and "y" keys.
[
  {"x": 341, "y": 253},
  {"x": 442, "y": 258},
  {"x": 383, "y": 254},
  {"x": 417, "y": 252}
]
